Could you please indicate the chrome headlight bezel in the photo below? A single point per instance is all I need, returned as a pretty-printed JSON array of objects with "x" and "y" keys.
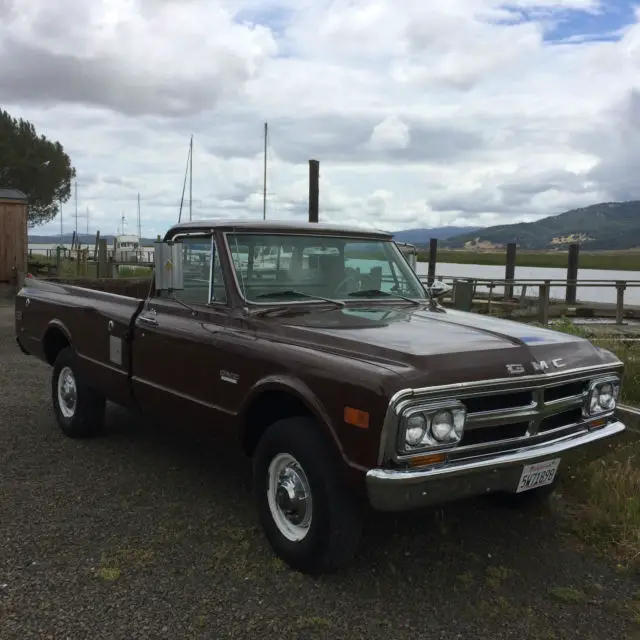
[
  {"x": 594, "y": 391},
  {"x": 428, "y": 411}
]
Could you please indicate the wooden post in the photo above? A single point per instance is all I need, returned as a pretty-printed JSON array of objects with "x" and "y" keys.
[
  {"x": 490, "y": 285},
  {"x": 314, "y": 188},
  {"x": 95, "y": 249},
  {"x": 620, "y": 287},
  {"x": 523, "y": 296},
  {"x": 572, "y": 273},
  {"x": 58, "y": 261},
  {"x": 433, "y": 258},
  {"x": 102, "y": 259},
  {"x": 543, "y": 302},
  {"x": 510, "y": 270}
]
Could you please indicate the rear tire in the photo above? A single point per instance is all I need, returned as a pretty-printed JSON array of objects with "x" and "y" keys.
[
  {"x": 308, "y": 515},
  {"x": 79, "y": 409}
]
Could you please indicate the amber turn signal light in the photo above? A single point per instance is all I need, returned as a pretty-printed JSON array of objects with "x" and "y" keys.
[
  {"x": 421, "y": 461},
  {"x": 356, "y": 417}
]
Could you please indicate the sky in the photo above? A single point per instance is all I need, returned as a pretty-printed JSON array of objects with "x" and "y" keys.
[{"x": 464, "y": 112}]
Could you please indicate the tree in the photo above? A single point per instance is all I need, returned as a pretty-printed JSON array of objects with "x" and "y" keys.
[{"x": 38, "y": 167}]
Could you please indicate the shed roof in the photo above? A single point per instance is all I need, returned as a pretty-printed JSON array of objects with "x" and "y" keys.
[{"x": 12, "y": 194}]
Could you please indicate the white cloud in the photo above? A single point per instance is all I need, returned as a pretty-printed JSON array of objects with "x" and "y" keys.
[
  {"x": 420, "y": 113},
  {"x": 391, "y": 133}
]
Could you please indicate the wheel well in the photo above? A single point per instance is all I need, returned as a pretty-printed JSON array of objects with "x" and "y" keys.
[
  {"x": 266, "y": 409},
  {"x": 54, "y": 342}
]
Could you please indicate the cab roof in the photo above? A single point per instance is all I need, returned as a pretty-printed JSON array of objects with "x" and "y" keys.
[{"x": 275, "y": 226}]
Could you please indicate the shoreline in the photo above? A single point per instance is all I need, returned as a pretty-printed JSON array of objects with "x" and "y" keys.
[{"x": 605, "y": 260}]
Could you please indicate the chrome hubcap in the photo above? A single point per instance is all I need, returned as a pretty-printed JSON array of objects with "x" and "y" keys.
[
  {"x": 67, "y": 392},
  {"x": 289, "y": 496}
]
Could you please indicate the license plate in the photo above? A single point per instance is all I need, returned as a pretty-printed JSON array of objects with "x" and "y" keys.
[{"x": 538, "y": 475}]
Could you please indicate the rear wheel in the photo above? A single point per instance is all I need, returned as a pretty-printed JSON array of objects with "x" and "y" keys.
[
  {"x": 309, "y": 517},
  {"x": 79, "y": 409}
]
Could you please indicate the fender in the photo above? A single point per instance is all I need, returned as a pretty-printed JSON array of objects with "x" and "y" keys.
[
  {"x": 297, "y": 388},
  {"x": 58, "y": 324}
]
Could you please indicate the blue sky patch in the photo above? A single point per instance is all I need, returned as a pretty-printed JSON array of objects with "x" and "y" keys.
[
  {"x": 566, "y": 26},
  {"x": 270, "y": 15}
]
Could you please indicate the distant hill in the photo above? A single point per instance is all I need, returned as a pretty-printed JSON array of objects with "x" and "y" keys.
[
  {"x": 422, "y": 236},
  {"x": 608, "y": 225}
]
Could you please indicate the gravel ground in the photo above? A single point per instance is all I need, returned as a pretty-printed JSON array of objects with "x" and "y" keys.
[{"x": 146, "y": 533}]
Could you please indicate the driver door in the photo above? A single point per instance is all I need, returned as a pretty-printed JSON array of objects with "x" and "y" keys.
[{"x": 176, "y": 362}]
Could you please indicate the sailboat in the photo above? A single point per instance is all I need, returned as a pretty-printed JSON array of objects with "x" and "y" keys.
[{"x": 127, "y": 245}]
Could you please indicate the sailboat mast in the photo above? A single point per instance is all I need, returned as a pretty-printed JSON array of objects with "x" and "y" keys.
[
  {"x": 264, "y": 178},
  {"x": 191, "y": 178}
]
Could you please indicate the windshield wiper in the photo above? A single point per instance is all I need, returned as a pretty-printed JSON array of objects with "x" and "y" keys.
[
  {"x": 301, "y": 294},
  {"x": 378, "y": 292}
]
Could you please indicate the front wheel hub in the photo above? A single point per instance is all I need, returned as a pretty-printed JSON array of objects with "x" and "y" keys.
[{"x": 289, "y": 496}]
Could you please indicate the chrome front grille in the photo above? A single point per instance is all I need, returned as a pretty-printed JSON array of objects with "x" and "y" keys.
[
  {"x": 531, "y": 415},
  {"x": 503, "y": 414}
]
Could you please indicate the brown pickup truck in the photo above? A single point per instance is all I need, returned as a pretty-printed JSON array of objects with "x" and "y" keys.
[{"x": 318, "y": 351}]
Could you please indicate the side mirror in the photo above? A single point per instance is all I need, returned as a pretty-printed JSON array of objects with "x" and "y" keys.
[
  {"x": 438, "y": 289},
  {"x": 169, "y": 272}
]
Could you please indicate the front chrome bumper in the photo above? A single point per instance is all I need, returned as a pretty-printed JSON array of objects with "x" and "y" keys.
[{"x": 405, "y": 489}]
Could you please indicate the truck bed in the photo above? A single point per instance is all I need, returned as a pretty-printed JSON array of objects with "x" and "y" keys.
[{"x": 49, "y": 314}]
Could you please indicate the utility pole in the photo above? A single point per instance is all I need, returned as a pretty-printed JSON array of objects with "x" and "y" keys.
[
  {"x": 87, "y": 221},
  {"x": 314, "y": 180},
  {"x": 264, "y": 179},
  {"x": 61, "y": 227},
  {"x": 139, "y": 222}
]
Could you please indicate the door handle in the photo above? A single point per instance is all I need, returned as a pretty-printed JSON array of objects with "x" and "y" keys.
[{"x": 150, "y": 321}]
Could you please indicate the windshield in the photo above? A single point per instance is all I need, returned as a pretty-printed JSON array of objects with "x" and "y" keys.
[{"x": 281, "y": 268}]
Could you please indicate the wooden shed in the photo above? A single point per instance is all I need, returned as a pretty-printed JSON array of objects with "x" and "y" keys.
[{"x": 14, "y": 241}]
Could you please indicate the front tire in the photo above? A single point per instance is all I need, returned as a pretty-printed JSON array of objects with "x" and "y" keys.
[
  {"x": 308, "y": 515},
  {"x": 79, "y": 409}
]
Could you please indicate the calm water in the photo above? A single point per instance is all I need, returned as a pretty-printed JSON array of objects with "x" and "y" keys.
[{"x": 585, "y": 294}]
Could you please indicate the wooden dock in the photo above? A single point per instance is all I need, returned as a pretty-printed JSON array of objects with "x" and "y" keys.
[{"x": 530, "y": 298}]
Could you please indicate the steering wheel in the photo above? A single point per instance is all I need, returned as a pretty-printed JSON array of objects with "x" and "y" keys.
[
  {"x": 352, "y": 276},
  {"x": 362, "y": 278}
]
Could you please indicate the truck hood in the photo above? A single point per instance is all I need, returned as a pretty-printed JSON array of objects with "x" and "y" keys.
[{"x": 431, "y": 345}]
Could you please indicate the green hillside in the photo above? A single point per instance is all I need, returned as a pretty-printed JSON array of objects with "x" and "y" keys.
[{"x": 604, "y": 226}]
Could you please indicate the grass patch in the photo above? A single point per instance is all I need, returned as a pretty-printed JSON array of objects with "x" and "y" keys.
[
  {"x": 495, "y": 576},
  {"x": 112, "y": 565},
  {"x": 606, "y": 260},
  {"x": 567, "y": 594},
  {"x": 608, "y": 489}
]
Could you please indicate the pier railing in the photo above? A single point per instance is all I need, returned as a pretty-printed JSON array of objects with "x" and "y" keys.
[{"x": 543, "y": 293}]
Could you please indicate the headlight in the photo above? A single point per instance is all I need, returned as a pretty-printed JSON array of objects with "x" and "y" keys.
[
  {"x": 602, "y": 397},
  {"x": 432, "y": 425}
]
